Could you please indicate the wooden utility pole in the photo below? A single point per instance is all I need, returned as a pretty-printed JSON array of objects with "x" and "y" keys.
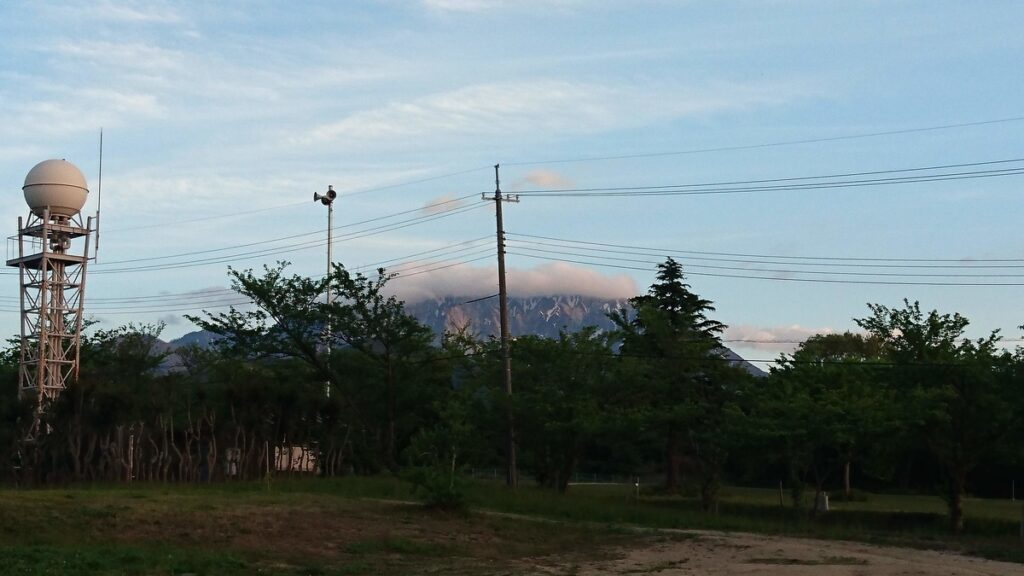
[{"x": 512, "y": 474}]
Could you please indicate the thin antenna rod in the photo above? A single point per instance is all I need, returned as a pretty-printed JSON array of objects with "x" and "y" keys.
[{"x": 99, "y": 200}]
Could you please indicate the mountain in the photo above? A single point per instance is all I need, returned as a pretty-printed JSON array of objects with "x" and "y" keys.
[{"x": 539, "y": 316}]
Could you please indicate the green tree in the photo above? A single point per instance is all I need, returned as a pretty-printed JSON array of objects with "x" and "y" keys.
[
  {"x": 959, "y": 394},
  {"x": 15, "y": 412},
  {"x": 822, "y": 409},
  {"x": 561, "y": 400},
  {"x": 363, "y": 343},
  {"x": 684, "y": 386},
  {"x": 364, "y": 318}
]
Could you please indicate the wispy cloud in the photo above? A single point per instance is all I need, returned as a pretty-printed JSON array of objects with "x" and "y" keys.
[
  {"x": 486, "y": 5},
  {"x": 548, "y": 179},
  {"x": 65, "y": 111},
  {"x": 539, "y": 107},
  {"x": 131, "y": 55},
  {"x": 441, "y": 203},
  {"x": 771, "y": 338},
  {"x": 125, "y": 11},
  {"x": 461, "y": 5},
  {"x": 171, "y": 319}
]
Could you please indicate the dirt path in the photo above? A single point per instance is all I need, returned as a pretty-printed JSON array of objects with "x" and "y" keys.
[{"x": 715, "y": 553}]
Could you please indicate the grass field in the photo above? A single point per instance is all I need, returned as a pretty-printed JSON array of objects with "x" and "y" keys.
[{"x": 366, "y": 526}]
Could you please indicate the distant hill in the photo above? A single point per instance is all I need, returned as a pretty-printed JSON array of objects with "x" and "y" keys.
[
  {"x": 544, "y": 316},
  {"x": 200, "y": 338}
]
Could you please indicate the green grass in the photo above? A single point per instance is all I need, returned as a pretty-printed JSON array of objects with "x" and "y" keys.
[
  {"x": 329, "y": 527},
  {"x": 992, "y": 526},
  {"x": 392, "y": 545},
  {"x": 354, "y": 526},
  {"x": 983, "y": 508},
  {"x": 101, "y": 560}
]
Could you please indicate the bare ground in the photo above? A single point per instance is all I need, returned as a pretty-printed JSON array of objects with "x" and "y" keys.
[{"x": 714, "y": 553}]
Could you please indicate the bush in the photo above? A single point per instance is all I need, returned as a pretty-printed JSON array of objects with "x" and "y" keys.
[
  {"x": 435, "y": 471},
  {"x": 439, "y": 487}
]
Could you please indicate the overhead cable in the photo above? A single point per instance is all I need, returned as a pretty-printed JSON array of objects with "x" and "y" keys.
[{"x": 771, "y": 144}]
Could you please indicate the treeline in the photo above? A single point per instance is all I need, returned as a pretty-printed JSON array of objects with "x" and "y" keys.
[{"x": 358, "y": 386}]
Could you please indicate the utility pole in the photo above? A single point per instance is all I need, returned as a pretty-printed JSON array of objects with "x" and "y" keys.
[
  {"x": 328, "y": 200},
  {"x": 512, "y": 474}
]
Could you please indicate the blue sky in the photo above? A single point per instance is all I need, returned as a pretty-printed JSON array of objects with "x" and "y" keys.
[{"x": 221, "y": 119}]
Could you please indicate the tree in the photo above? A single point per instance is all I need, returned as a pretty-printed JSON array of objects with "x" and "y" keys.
[
  {"x": 822, "y": 408},
  {"x": 378, "y": 327},
  {"x": 15, "y": 412},
  {"x": 376, "y": 346},
  {"x": 561, "y": 400},
  {"x": 439, "y": 450},
  {"x": 958, "y": 394},
  {"x": 684, "y": 385}
]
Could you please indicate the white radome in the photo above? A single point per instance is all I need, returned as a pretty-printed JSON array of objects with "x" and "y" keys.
[{"x": 58, "y": 185}]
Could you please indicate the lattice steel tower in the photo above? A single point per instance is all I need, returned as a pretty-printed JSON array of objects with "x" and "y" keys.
[{"x": 52, "y": 274}]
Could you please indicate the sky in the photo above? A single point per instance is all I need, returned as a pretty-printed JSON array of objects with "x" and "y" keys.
[{"x": 220, "y": 120}]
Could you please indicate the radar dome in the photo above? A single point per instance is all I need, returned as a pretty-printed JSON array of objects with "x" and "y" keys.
[{"x": 57, "y": 185}]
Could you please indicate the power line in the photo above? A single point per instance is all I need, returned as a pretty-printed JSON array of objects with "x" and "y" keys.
[
  {"x": 796, "y": 178},
  {"x": 775, "y": 278},
  {"x": 771, "y": 144},
  {"x": 276, "y": 250},
  {"x": 775, "y": 256},
  {"x": 415, "y": 254},
  {"x": 300, "y": 235},
  {"x": 675, "y": 189},
  {"x": 292, "y": 247},
  {"x": 663, "y": 253},
  {"x": 411, "y": 182},
  {"x": 705, "y": 189},
  {"x": 220, "y": 297},
  {"x": 170, "y": 306},
  {"x": 775, "y": 270},
  {"x": 236, "y": 213},
  {"x": 481, "y": 299},
  {"x": 403, "y": 270},
  {"x": 463, "y": 262}
]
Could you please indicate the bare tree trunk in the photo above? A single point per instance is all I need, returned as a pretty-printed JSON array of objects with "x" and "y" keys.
[
  {"x": 957, "y": 485},
  {"x": 178, "y": 452},
  {"x": 847, "y": 491},
  {"x": 709, "y": 492},
  {"x": 211, "y": 448},
  {"x": 75, "y": 448},
  {"x": 87, "y": 459}
]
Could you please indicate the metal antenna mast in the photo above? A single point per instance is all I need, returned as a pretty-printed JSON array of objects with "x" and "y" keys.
[
  {"x": 99, "y": 200},
  {"x": 512, "y": 474}
]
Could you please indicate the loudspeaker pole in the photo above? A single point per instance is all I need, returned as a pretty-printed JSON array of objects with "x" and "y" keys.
[{"x": 328, "y": 200}]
